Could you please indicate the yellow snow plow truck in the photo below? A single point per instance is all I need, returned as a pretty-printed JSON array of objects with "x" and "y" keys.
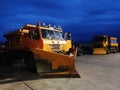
[
  {"x": 43, "y": 49},
  {"x": 104, "y": 45}
]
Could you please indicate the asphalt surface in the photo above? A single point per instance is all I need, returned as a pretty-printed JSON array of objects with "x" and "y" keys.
[{"x": 98, "y": 72}]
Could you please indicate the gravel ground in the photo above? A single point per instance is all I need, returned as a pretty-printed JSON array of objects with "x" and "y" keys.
[{"x": 98, "y": 72}]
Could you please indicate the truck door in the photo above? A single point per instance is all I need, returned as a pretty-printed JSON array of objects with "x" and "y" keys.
[{"x": 34, "y": 36}]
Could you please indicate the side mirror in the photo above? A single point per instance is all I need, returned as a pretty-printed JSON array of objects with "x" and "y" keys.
[{"x": 67, "y": 36}]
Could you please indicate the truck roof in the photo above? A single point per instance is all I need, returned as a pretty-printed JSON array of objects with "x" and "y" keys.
[
  {"x": 27, "y": 27},
  {"x": 112, "y": 38},
  {"x": 30, "y": 26}
]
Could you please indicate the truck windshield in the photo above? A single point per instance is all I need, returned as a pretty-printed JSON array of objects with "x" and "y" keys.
[
  {"x": 50, "y": 34},
  {"x": 58, "y": 35},
  {"x": 113, "y": 41}
]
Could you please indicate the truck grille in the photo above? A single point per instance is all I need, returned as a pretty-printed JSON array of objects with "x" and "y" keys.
[{"x": 55, "y": 46}]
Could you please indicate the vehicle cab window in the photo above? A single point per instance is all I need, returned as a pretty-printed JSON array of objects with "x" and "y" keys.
[{"x": 34, "y": 35}]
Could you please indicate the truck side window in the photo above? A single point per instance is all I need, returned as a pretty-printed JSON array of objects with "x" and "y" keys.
[
  {"x": 34, "y": 35},
  {"x": 44, "y": 33}
]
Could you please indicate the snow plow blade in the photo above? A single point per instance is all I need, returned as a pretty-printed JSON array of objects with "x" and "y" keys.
[
  {"x": 101, "y": 51},
  {"x": 54, "y": 65}
]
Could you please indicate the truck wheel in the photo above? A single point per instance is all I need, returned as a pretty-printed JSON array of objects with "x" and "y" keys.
[
  {"x": 79, "y": 52},
  {"x": 108, "y": 51},
  {"x": 116, "y": 50},
  {"x": 30, "y": 63},
  {"x": 8, "y": 58},
  {"x": 43, "y": 67}
]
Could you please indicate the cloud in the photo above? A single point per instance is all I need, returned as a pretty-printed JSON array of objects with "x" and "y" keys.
[{"x": 81, "y": 17}]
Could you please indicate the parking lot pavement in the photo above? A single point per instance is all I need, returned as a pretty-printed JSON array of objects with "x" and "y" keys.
[{"x": 98, "y": 72}]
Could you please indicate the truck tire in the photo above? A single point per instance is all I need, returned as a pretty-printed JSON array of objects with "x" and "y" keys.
[
  {"x": 29, "y": 61},
  {"x": 108, "y": 51},
  {"x": 43, "y": 67},
  {"x": 116, "y": 50},
  {"x": 7, "y": 59},
  {"x": 79, "y": 52}
]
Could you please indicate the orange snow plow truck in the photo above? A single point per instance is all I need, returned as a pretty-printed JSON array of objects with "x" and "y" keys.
[
  {"x": 104, "y": 45},
  {"x": 43, "y": 49}
]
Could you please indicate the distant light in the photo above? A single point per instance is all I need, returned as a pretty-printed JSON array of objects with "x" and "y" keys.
[
  {"x": 49, "y": 25},
  {"x": 54, "y": 26},
  {"x": 43, "y": 24},
  {"x": 59, "y": 27}
]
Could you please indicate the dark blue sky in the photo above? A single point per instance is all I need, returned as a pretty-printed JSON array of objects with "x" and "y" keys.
[{"x": 83, "y": 18}]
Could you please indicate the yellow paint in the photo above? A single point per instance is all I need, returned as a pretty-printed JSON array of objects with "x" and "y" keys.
[{"x": 99, "y": 51}]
